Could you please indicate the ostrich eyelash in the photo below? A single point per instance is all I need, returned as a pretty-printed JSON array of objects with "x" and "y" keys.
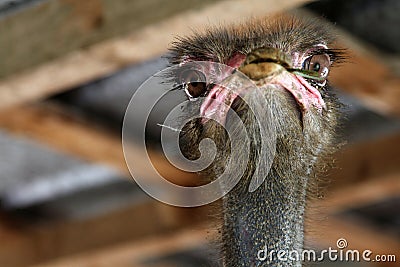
[{"x": 335, "y": 55}]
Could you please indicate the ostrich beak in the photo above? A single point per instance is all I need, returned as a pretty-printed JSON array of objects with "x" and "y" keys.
[
  {"x": 264, "y": 62},
  {"x": 264, "y": 66}
]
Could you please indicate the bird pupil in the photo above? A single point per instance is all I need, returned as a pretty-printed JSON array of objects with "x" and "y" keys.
[
  {"x": 196, "y": 89},
  {"x": 316, "y": 67}
]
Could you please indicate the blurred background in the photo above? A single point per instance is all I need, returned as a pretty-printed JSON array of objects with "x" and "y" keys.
[{"x": 67, "y": 71}]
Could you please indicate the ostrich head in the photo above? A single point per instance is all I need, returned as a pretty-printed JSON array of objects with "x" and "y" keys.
[{"x": 288, "y": 61}]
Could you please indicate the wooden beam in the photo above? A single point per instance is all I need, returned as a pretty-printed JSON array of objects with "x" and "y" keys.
[
  {"x": 368, "y": 162},
  {"x": 106, "y": 57},
  {"x": 62, "y": 26},
  {"x": 50, "y": 240},
  {"x": 372, "y": 159},
  {"x": 134, "y": 254},
  {"x": 361, "y": 193},
  {"x": 53, "y": 126},
  {"x": 117, "y": 239},
  {"x": 324, "y": 226},
  {"x": 366, "y": 76},
  {"x": 325, "y": 233},
  {"x": 49, "y": 124}
]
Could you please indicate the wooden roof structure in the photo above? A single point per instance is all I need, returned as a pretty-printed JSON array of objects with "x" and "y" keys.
[{"x": 66, "y": 196}]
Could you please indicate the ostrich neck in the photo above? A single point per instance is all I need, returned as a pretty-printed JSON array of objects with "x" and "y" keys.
[{"x": 259, "y": 224}]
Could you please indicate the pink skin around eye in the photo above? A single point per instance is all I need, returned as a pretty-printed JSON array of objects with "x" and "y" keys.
[
  {"x": 236, "y": 60},
  {"x": 219, "y": 99}
]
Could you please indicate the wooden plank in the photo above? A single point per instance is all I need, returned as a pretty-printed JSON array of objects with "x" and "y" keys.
[
  {"x": 372, "y": 159},
  {"x": 50, "y": 125},
  {"x": 101, "y": 59},
  {"x": 324, "y": 233},
  {"x": 51, "y": 29},
  {"x": 325, "y": 226},
  {"x": 135, "y": 253},
  {"x": 366, "y": 76},
  {"x": 102, "y": 241},
  {"x": 367, "y": 162},
  {"x": 321, "y": 231},
  {"x": 53, "y": 126},
  {"x": 47, "y": 241},
  {"x": 361, "y": 193}
]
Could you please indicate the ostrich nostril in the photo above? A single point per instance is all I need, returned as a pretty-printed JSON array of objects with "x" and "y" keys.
[{"x": 268, "y": 54}]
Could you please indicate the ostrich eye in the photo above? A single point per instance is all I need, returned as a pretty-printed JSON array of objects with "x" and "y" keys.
[
  {"x": 318, "y": 64},
  {"x": 194, "y": 83}
]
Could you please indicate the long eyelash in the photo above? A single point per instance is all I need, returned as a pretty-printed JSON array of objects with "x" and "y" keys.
[{"x": 335, "y": 55}]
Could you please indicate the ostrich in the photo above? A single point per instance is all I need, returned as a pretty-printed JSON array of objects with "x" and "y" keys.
[{"x": 294, "y": 56}]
